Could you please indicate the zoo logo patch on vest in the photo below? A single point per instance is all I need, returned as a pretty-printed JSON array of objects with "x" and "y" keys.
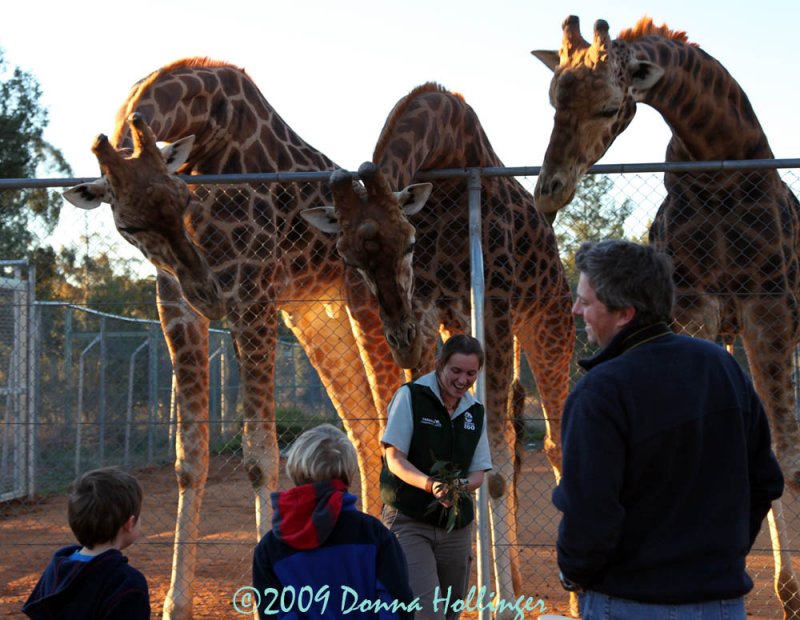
[{"x": 469, "y": 423}]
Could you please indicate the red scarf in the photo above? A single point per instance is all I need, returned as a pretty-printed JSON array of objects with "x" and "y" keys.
[{"x": 304, "y": 517}]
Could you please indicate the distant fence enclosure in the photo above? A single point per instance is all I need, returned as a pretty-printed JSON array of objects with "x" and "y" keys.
[{"x": 82, "y": 387}]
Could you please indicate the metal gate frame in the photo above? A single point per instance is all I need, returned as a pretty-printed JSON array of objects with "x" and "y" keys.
[{"x": 18, "y": 454}]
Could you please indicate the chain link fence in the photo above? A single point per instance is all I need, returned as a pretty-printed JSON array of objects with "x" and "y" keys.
[{"x": 86, "y": 381}]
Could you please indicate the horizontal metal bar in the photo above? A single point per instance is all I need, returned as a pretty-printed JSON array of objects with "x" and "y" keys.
[
  {"x": 324, "y": 175},
  {"x": 210, "y": 179},
  {"x": 689, "y": 166}
]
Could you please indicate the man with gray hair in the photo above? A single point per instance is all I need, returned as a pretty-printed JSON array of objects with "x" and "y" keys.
[{"x": 668, "y": 470}]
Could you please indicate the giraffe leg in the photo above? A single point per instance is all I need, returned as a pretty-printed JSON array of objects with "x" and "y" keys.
[
  {"x": 769, "y": 345},
  {"x": 785, "y": 578},
  {"x": 254, "y": 330},
  {"x": 696, "y": 314},
  {"x": 516, "y": 408},
  {"x": 186, "y": 333},
  {"x": 501, "y": 480},
  {"x": 503, "y": 504},
  {"x": 328, "y": 340},
  {"x": 547, "y": 335}
]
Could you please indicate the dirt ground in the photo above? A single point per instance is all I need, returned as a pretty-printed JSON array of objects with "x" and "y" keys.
[{"x": 31, "y": 531}]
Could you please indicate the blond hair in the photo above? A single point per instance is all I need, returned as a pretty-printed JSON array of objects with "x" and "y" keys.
[{"x": 322, "y": 453}]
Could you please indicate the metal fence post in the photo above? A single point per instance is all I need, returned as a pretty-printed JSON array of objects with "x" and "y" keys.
[
  {"x": 152, "y": 388},
  {"x": 79, "y": 412},
  {"x": 224, "y": 405},
  {"x": 33, "y": 314},
  {"x": 129, "y": 411},
  {"x": 216, "y": 361},
  {"x": 101, "y": 438},
  {"x": 477, "y": 298},
  {"x": 68, "y": 378}
]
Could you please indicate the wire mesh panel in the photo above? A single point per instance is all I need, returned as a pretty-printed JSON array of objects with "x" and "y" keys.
[{"x": 106, "y": 394}]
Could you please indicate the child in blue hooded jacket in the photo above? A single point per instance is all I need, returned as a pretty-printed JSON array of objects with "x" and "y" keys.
[
  {"x": 324, "y": 558},
  {"x": 93, "y": 580}
]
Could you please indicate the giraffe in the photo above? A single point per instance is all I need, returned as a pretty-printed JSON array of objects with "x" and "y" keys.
[
  {"x": 411, "y": 247},
  {"x": 241, "y": 253},
  {"x": 732, "y": 235}
]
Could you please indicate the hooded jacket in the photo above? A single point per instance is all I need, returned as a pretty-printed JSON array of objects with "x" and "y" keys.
[
  {"x": 325, "y": 559},
  {"x": 106, "y": 587}
]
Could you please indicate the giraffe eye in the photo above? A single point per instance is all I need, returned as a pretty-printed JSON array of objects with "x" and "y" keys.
[
  {"x": 608, "y": 113},
  {"x": 132, "y": 230}
]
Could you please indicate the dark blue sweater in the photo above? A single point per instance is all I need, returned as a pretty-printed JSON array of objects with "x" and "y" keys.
[
  {"x": 325, "y": 559},
  {"x": 106, "y": 588},
  {"x": 668, "y": 471}
]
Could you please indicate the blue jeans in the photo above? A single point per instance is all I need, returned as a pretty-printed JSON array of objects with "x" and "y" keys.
[{"x": 596, "y": 606}]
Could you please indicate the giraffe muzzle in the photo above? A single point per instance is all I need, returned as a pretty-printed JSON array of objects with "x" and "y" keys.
[
  {"x": 405, "y": 344},
  {"x": 552, "y": 193}
]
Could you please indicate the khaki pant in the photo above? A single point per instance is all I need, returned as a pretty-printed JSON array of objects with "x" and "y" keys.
[{"x": 438, "y": 563}]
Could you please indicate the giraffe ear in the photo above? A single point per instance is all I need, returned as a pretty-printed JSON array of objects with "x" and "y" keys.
[
  {"x": 323, "y": 218},
  {"x": 548, "y": 57},
  {"x": 176, "y": 153},
  {"x": 88, "y": 195},
  {"x": 644, "y": 73},
  {"x": 414, "y": 197}
]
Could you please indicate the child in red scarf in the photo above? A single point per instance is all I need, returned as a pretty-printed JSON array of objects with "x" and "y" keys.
[{"x": 323, "y": 558}]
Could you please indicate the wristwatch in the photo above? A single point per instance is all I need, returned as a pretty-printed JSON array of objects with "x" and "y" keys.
[{"x": 568, "y": 585}]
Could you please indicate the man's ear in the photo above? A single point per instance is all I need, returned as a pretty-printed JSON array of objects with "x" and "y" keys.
[{"x": 626, "y": 315}]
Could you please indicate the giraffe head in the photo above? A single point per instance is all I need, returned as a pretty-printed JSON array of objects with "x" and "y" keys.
[
  {"x": 594, "y": 90},
  {"x": 376, "y": 238},
  {"x": 149, "y": 203}
]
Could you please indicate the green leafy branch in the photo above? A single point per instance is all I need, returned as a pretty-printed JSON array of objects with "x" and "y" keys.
[{"x": 448, "y": 474}]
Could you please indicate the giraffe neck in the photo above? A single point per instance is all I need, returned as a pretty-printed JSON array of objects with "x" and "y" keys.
[
  {"x": 428, "y": 129},
  {"x": 234, "y": 237},
  {"x": 236, "y": 129},
  {"x": 708, "y": 112}
]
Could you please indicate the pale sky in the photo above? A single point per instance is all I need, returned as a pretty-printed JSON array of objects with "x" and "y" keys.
[{"x": 333, "y": 69}]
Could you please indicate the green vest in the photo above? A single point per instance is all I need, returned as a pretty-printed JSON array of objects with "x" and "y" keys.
[{"x": 435, "y": 438}]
